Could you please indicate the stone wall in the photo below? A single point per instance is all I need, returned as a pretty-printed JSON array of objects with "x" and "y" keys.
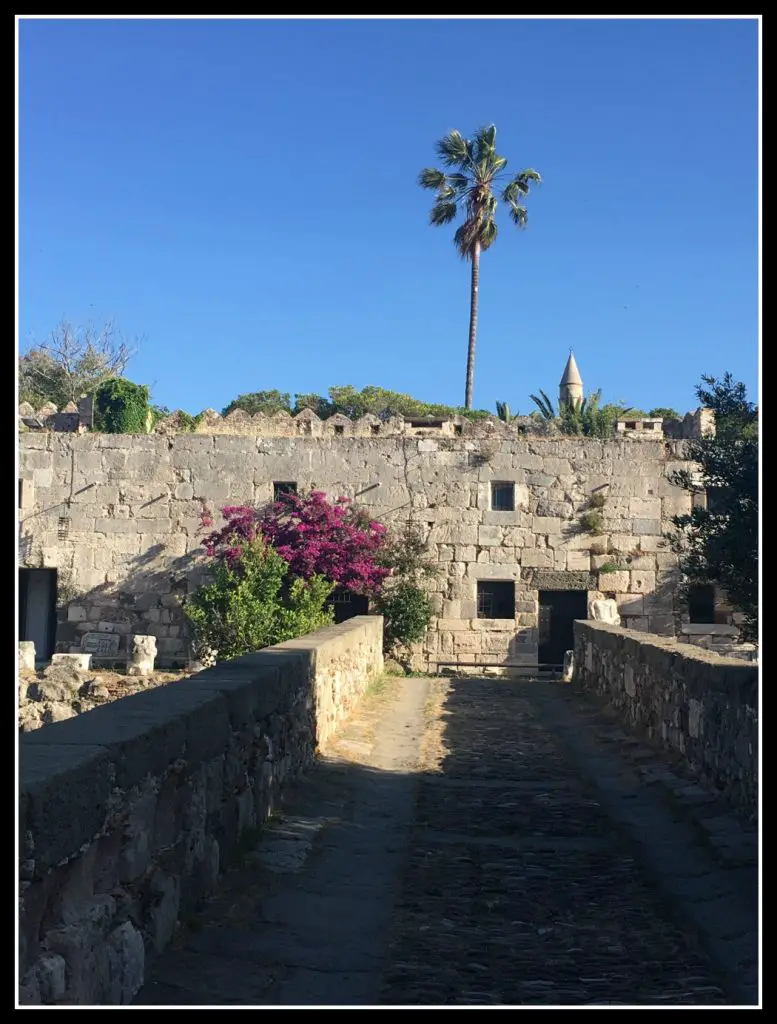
[
  {"x": 119, "y": 518},
  {"x": 701, "y": 704},
  {"x": 128, "y": 813}
]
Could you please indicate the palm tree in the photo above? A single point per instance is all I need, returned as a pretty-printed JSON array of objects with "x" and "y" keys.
[
  {"x": 472, "y": 169},
  {"x": 505, "y": 413},
  {"x": 545, "y": 405}
]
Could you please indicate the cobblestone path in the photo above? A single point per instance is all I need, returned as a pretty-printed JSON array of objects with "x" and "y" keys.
[
  {"x": 472, "y": 842},
  {"x": 542, "y": 870}
]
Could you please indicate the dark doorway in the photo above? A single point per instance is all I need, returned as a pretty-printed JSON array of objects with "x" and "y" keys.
[
  {"x": 38, "y": 610},
  {"x": 558, "y": 610},
  {"x": 347, "y": 604}
]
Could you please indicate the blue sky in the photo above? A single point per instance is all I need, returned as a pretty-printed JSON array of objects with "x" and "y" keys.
[{"x": 243, "y": 195}]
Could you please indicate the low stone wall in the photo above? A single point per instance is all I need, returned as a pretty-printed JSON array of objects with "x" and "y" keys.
[
  {"x": 693, "y": 701},
  {"x": 128, "y": 813}
]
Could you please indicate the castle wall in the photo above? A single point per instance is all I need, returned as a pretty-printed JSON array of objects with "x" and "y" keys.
[{"x": 119, "y": 517}]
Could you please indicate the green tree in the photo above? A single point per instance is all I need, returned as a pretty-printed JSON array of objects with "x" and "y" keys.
[
  {"x": 268, "y": 402},
  {"x": 74, "y": 361},
  {"x": 121, "y": 407},
  {"x": 719, "y": 544},
  {"x": 242, "y": 607},
  {"x": 664, "y": 413},
  {"x": 468, "y": 183}
]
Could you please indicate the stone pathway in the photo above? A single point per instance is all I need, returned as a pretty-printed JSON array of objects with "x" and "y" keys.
[{"x": 475, "y": 842}]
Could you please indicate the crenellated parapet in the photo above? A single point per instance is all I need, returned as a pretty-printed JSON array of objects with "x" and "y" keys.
[{"x": 78, "y": 419}]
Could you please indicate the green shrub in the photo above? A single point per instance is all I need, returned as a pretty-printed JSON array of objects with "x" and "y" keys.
[
  {"x": 243, "y": 607},
  {"x": 592, "y": 522},
  {"x": 407, "y": 612},
  {"x": 609, "y": 567},
  {"x": 121, "y": 407},
  {"x": 597, "y": 500}
]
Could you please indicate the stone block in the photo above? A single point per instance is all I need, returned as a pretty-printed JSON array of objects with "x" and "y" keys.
[
  {"x": 614, "y": 582},
  {"x": 26, "y": 656},
  {"x": 79, "y": 662},
  {"x": 537, "y": 558},
  {"x": 629, "y": 605},
  {"x": 642, "y": 582},
  {"x": 489, "y": 535},
  {"x": 578, "y": 561},
  {"x": 647, "y": 527},
  {"x": 546, "y": 524}
]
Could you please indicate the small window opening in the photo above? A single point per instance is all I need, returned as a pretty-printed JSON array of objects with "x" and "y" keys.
[
  {"x": 502, "y": 496},
  {"x": 280, "y": 488},
  {"x": 339, "y": 428},
  {"x": 496, "y": 599}
]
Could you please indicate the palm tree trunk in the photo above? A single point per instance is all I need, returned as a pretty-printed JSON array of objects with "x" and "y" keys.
[{"x": 473, "y": 325}]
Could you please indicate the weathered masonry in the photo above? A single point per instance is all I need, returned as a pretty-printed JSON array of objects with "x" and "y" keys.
[
  {"x": 526, "y": 529},
  {"x": 129, "y": 813}
]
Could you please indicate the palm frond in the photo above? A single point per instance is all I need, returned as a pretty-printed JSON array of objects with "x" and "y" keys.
[
  {"x": 442, "y": 213},
  {"x": 520, "y": 185},
  {"x": 453, "y": 150},
  {"x": 518, "y": 214},
  {"x": 498, "y": 164},
  {"x": 465, "y": 238},
  {"x": 460, "y": 182},
  {"x": 485, "y": 143},
  {"x": 545, "y": 405},
  {"x": 488, "y": 233},
  {"x": 431, "y": 177}
]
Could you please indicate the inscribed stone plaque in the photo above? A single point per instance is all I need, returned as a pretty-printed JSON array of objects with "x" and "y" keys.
[{"x": 101, "y": 644}]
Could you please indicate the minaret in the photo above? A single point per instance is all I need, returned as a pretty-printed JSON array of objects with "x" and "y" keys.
[{"x": 571, "y": 386}]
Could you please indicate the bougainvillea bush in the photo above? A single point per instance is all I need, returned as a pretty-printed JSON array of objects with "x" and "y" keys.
[
  {"x": 314, "y": 536},
  {"x": 320, "y": 543}
]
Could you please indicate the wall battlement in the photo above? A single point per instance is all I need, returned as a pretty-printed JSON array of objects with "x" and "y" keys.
[{"x": 77, "y": 419}]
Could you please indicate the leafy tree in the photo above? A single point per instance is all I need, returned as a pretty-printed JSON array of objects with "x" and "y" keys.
[
  {"x": 348, "y": 401},
  {"x": 121, "y": 407},
  {"x": 403, "y": 601},
  {"x": 243, "y": 606},
  {"x": 661, "y": 412},
  {"x": 73, "y": 362},
  {"x": 719, "y": 544},
  {"x": 472, "y": 170},
  {"x": 268, "y": 402}
]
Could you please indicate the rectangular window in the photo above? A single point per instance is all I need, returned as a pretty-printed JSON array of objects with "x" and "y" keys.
[
  {"x": 457, "y": 429},
  {"x": 701, "y": 604},
  {"x": 502, "y": 496},
  {"x": 496, "y": 599},
  {"x": 436, "y": 424},
  {"x": 375, "y": 428},
  {"x": 282, "y": 487},
  {"x": 339, "y": 428}
]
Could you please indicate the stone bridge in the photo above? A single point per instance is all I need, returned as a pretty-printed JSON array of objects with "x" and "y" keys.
[{"x": 296, "y": 828}]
